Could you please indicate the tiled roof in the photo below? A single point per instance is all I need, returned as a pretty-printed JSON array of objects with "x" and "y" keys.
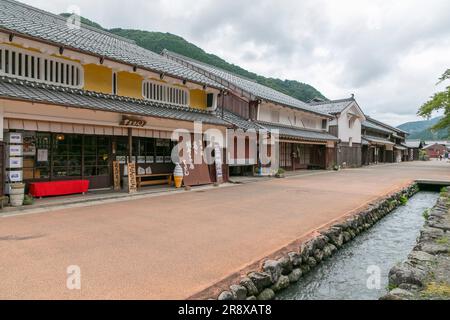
[
  {"x": 42, "y": 93},
  {"x": 298, "y": 133},
  {"x": 386, "y": 126},
  {"x": 377, "y": 140},
  {"x": 333, "y": 107},
  {"x": 370, "y": 125},
  {"x": 243, "y": 85},
  {"x": 26, "y": 20},
  {"x": 238, "y": 121},
  {"x": 400, "y": 147},
  {"x": 413, "y": 144}
]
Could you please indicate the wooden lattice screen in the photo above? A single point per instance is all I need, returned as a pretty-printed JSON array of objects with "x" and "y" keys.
[{"x": 2, "y": 169}]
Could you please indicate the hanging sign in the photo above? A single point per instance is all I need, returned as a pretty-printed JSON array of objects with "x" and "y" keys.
[
  {"x": 132, "y": 184},
  {"x": 133, "y": 122},
  {"x": 42, "y": 155},
  {"x": 15, "y": 176},
  {"x": 15, "y": 150},
  {"x": 116, "y": 174},
  {"x": 14, "y": 137},
  {"x": 14, "y": 163}
]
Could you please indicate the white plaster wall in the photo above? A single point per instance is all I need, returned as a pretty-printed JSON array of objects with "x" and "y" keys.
[
  {"x": 290, "y": 117},
  {"x": 345, "y": 132}
]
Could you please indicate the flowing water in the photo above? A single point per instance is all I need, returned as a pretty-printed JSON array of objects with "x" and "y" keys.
[{"x": 345, "y": 276}]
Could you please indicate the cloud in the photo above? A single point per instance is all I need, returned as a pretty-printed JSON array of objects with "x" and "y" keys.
[{"x": 388, "y": 53}]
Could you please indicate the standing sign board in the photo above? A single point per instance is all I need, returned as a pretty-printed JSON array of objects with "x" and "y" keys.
[
  {"x": 196, "y": 174},
  {"x": 14, "y": 159},
  {"x": 132, "y": 184},
  {"x": 218, "y": 161},
  {"x": 116, "y": 174}
]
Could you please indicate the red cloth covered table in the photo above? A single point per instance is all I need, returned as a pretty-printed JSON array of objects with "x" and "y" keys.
[{"x": 58, "y": 188}]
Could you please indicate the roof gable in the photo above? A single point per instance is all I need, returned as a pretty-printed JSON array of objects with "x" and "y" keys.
[{"x": 337, "y": 107}]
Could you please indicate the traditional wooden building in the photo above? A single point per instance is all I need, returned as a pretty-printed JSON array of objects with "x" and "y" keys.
[
  {"x": 382, "y": 143},
  {"x": 305, "y": 142},
  {"x": 346, "y": 126},
  {"x": 75, "y": 99}
]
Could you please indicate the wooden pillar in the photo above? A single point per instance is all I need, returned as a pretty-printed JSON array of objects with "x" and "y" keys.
[
  {"x": 292, "y": 156},
  {"x": 130, "y": 145}
]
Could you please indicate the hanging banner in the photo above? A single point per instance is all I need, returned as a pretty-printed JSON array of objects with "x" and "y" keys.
[
  {"x": 219, "y": 163},
  {"x": 132, "y": 183},
  {"x": 116, "y": 174}
]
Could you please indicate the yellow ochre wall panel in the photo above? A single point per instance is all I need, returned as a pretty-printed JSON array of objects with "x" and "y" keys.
[
  {"x": 21, "y": 47},
  {"x": 97, "y": 78},
  {"x": 129, "y": 85},
  {"x": 198, "y": 99}
]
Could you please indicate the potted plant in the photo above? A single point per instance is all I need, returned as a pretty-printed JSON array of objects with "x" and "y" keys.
[
  {"x": 336, "y": 167},
  {"x": 17, "y": 194},
  {"x": 281, "y": 173},
  {"x": 28, "y": 200}
]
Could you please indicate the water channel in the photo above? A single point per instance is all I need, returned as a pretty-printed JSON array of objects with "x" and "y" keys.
[{"x": 345, "y": 276}]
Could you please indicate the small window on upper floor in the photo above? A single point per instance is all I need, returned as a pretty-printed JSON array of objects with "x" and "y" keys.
[
  {"x": 324, "y": 124},
  {"x": 210, "y": 100},
  {"x": 22, "y": 64},
  {"x": 114, "y": 83},
  {"x": 164, "y": 93},
  {"x": 351, "y": 122}
]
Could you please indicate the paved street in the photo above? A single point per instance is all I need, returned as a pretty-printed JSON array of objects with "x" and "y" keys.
[{"x": 173, "y": 246}]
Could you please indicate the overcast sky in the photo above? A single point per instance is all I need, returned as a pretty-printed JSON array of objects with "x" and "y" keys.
[{"x": 388, "y": 53}]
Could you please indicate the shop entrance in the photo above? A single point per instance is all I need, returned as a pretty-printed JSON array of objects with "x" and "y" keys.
[
  {"x": 55, "y": 156},
  {"x": 295, "y": 156}
]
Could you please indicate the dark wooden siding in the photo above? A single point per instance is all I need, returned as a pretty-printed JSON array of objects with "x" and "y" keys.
[
  {"x": 235, "y": 105},
  {"x": 253, "y": 110},
  {"x": 334, "y": 131},
  {"x": 295, "y": 156},
  {"x": 350, "y": 156},
  {"x": 2, "y": 168},
  {"x": 330, "y": 158}
]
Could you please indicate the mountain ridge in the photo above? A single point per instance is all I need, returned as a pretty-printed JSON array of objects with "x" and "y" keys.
[{"x": 422, "y": 130}]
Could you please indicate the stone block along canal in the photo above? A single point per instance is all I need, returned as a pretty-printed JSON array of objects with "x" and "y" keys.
[{"x": 345, "y": 275}]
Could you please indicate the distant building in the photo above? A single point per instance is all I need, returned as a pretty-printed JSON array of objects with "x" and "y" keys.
[
  {"x": 437, "y": 149},
  {"x": 414, "y": 147}
]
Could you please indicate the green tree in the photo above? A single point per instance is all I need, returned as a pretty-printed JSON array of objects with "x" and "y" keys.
[{"x": 439, "y": 101}]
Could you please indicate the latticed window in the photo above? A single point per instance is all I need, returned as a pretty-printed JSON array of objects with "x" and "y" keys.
[
  {"x": 164, "y": 93},
  {"x": 21, "y": 64},
  {"x": 285, "y": 155}
]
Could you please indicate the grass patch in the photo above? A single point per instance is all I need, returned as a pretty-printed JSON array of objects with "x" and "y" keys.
[
  {"x": 437, "y": 289},
  {"x": 443, "y": 240},
  {"x": 391, "y": 287},
  {"x": 403, "y": 200},
  {"x": 426, "y": 214}
]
